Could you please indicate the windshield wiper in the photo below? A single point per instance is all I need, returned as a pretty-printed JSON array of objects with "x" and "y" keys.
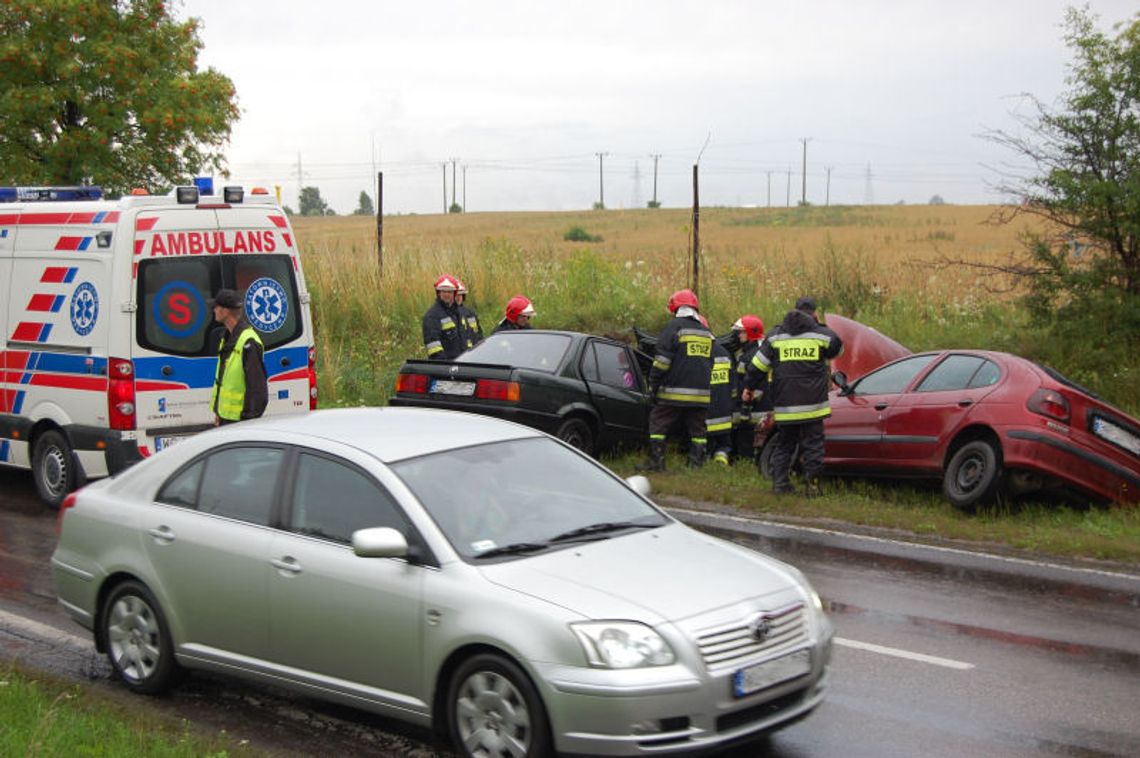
[
  {"x": 601, "y": 528},
  {"x": 513, "y": 549}
]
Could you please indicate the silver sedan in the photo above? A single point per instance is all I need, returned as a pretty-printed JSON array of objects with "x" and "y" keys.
[{"x": 448, "y": 569}]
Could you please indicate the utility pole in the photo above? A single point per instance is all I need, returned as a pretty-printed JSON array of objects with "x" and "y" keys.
[
  {"x": 443, "y": 165},
  {"x": 803, "y": 173},
  {"x": 868, "y": 192},
  {"x": 300, "y": 181},
  {"x": 656, "y": 157},
  {"x": 601, "y": 183},
  {"x": 453, "y": 160},
  {"x": 827, "y": 196},
  {"x": 380, "y": 220},
  {"x": 769, "y": 189},
  {"x": 696, "y": 255}
]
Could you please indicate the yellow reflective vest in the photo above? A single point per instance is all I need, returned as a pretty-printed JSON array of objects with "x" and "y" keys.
[{"x": 228, "y": 397}]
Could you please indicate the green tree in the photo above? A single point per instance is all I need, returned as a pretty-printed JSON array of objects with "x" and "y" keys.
[
  {"x": 312, "y": 204},
  {"x": 108, "y": 93},
  {"x": 364, "y": 206},
  {"x": 1084, "y": 179}
]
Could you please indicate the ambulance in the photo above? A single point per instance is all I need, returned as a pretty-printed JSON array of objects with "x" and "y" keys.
[{"x": 110, "y": 347}]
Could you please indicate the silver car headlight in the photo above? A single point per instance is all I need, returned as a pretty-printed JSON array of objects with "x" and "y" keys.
[{"x": 622, "y": 644}]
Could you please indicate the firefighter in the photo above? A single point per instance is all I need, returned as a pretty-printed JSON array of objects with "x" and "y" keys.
[
  {"x": 519, "y": 312},
  {"x": 468, "y": 321},
  {"x": 679, "y": 381},
  {"x": 795, "y": 357},
  {"x": 443, "y": 335},
  {"x": 747, "y": 333},
  {"x": 722, "y": 402},
  {"x": 241, "y": 391}
]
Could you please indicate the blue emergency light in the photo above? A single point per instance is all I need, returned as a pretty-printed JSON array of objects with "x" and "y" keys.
[
  {"x": 49, "y": 194},
  {"x": 205, "y": 185}
]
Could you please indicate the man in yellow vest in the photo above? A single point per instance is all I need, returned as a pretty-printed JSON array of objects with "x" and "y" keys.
[{"x": 241, "y": 390}]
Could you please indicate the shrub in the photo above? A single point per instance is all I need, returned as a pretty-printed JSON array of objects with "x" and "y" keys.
[{"x": 577, "y": 233}]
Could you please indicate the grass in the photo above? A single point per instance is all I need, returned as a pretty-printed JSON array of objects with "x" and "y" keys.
[
  {"x": 883, "y": 265},
  {"x": 1109, "y": 533},
  {"x": 44, "y": 716}
]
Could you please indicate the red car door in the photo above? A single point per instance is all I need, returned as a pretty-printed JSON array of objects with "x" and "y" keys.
[
  {"x": 853, "y": 433},
  {"x": 924, "y": 419}
]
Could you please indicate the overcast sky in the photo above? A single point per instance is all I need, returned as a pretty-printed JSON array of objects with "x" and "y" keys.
[{"x": 891, "y": 95}]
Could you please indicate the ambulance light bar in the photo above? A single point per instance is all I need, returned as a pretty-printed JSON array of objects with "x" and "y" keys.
[
  {"x": 49, "y": 194},
  {"x": 233, "y": 194},
  {"x": 187, "y": 195}
]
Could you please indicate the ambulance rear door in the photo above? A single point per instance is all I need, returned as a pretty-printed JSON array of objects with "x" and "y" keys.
[{"x": 185, "y": 255}]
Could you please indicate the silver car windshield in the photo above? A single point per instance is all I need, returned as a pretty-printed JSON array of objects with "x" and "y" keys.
[{"x": 522, "y": 497}]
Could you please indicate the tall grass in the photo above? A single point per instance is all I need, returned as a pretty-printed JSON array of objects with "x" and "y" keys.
[{"x": 881, "y": 265}]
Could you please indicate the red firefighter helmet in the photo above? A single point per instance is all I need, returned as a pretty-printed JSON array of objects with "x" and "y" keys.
[
  {"x": 683, "y": 297},
  {"x": 518, "y": 306},
  {"x": 752, "y": 327},
  {"x": 446, "y": 283},
  {"x": 460, "y": 287}
]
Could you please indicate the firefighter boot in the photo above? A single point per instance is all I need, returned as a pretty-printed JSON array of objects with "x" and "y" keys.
[
  {"x": 656, "y": 459},
  {"x": 696, "y": 454}
]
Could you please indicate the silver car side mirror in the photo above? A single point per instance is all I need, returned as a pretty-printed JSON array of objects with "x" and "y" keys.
[
  {"x": 639, "y": 484},
  {"x": 379, "y": 542}
]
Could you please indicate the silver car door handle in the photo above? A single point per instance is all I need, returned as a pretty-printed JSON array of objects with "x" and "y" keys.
[
  {"x": 287, "y": 564},
  {"x": 163, "y": 534}
]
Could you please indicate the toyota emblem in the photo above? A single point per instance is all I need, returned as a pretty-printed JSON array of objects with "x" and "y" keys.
[{"x": 761, "y": 627}]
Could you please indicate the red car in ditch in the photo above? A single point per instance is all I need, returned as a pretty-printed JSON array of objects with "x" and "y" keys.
[{"x": 983, "y": 422}]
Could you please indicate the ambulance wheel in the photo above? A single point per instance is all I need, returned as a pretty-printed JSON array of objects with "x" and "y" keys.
[{"x": 53, "y": 467}]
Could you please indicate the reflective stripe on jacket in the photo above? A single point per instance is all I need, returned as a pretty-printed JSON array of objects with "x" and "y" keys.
[
  {"x": 682, "y": 366},
  {"x": 443, "y": 337},
  {"x": 795, "y": 355}
]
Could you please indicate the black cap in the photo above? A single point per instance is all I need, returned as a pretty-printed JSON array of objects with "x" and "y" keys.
[
  {"x": 227, "y": 299},
  {"x": 806, "y": 304}
]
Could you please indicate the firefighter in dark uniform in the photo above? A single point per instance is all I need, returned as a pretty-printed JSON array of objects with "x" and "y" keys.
[
  {"x": 443, "y": 335},
  {"x": 241, "y": 390},
  {"x": 722, "y": 403},
  {"x": 747, "y": 333},
  {"x": 795, "y": 356},
  {"x": 679, "y": 381},
  {"x": 468, "y": 321},
  {"x": 519, "y": 311}
]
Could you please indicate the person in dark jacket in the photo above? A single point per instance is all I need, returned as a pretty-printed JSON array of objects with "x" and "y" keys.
[
  {"x": 722, "y": 404},
  {"x": 679, "y": 381},
  {"x": 519, "y": 311},
  {"x": 443, "y": 336},
  {"x": 468, "y": 321},
  {"x": 795, "y": 356},
  {"x": 241, "y": 390},
  {"x": 747, "y": 334}
]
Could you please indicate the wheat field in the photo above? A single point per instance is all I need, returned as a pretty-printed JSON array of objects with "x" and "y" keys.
[{"x": 883, "y": 264}]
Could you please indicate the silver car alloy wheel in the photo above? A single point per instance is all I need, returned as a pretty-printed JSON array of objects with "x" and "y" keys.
[
  {"x": 492, "y": 716},
  {"x": 133, "y": 636}
]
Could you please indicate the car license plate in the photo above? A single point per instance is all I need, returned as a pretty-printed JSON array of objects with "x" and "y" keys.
[
  {"x": 161, "y": 443},
  {"x": 449, "y": 387},
  {"x": 1117, "y": 435},
  {"x": 762, "y": 675}
]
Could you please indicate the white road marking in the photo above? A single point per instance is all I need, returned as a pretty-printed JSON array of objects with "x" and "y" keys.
[
  {"x": 25, "y": 627},
  {"x": 920, "y": 657}
]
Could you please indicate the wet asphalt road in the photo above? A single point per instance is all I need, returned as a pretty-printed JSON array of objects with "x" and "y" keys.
[{"x": 924, "y": 665}]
